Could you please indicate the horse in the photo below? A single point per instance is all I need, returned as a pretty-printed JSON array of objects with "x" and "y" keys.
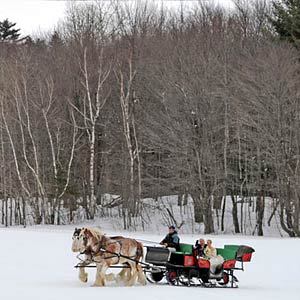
[
  {"x": 92, "y": 242},
  {"x": 106, "y": 252},
  {"x": 83, "y": 276}
]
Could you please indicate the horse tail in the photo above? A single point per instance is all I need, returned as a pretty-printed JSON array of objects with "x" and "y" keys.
[
  {"x": 139, "y": 257},
  {"x": 139, "y": 251}
]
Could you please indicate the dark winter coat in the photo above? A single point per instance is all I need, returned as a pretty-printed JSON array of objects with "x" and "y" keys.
[
  {"x": 172, "y": 240},
  {"x": 200, "y": 249}
]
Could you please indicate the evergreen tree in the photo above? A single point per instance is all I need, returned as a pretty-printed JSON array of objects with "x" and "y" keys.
[
  {"x": 286, "y": 20},
  {"x": 8, "y": 32}
]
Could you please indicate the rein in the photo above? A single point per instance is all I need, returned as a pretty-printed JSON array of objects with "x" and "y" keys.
[{"x": 148, "y": 242}]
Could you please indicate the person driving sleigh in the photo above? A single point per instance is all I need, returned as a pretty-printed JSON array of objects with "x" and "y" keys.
[{"x": 172, "y": 239}]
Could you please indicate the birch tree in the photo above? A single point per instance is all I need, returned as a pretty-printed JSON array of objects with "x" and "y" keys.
[
  {"x": 93, "y": 100},
  {"x": 127, "y": 100}
]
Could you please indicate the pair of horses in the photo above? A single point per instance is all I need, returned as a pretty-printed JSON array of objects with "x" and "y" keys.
[{"x": 107, "y": 251}]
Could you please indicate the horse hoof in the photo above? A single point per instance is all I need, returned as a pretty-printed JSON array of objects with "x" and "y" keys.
[
  {"x": 97, "y": 285},
  {"x": 119, "y": 279},
  {"x": 110, "y": 277},
  {"x": 144, "y": 282},
  {"x": 84, "y": 278}
]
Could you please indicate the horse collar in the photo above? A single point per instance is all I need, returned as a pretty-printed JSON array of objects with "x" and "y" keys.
[{"x": 100, "y": 245}]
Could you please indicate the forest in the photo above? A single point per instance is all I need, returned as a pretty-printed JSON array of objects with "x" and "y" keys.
[{"x": 142, "y": 101}]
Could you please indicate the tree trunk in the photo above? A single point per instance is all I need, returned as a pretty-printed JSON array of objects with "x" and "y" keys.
[
  {"x": 260, "y": 208},
  {"x": 131, "y": 198},
  {"x": 291, "y": 233},
  {"x": 138, "y": 163},
  {"x": 3, "y": 212},
  {"x": 179, "y": 199},
  {"x": 3, "y": 173},
  {"x": 208, "y": 217},
  {"x": 198, "y": 209},
  {"x": 235, "y": 215},
  {"x": 296, "y": 217},
  {"x": 92, "y": 185},
  {"x": 24, "y": 211},
  {"x": 6, "y": 211},
  {"x": 223, "y": 214},
  {"x": 38, "y": 212},
  {"x": 11, "y": 212},
  {"x": 242, "y": 215}
]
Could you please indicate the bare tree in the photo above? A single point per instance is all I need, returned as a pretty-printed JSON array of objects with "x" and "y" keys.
[{"x": 93, "y": 101}]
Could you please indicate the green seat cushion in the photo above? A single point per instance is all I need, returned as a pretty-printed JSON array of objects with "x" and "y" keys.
[
  {"x": 232, "y": 247},
  {"x": 227, "y": 254},
  {"x": 185, "y": 249}
]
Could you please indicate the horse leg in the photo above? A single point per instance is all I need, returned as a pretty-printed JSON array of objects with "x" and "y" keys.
[
  {"x": 104, "y": 276},
  {"x": 133, "y": 274},
  {"x": 120, "y": 276},
  {"x": 100, "y": 274},
  {"x": 124, "y": 274},
  {"x": 83, "y": 276},
  {"x": 141, "y": 276}
]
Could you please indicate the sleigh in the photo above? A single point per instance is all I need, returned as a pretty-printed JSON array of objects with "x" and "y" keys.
[{"x": 183, "y": 267}]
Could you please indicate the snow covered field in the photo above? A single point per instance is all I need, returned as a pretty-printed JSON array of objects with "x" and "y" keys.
[{"x": 37, "y": 263}]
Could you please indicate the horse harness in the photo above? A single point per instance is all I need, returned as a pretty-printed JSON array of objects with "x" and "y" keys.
[{"x": 102, "y": 249}]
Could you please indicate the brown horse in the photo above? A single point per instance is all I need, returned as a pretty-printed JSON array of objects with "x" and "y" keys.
[
  {"x": 88, "y": 259},
  {"x": 104, "y": 251}
]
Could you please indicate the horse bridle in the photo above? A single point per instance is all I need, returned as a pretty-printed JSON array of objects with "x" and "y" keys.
[{"x": 76, "y": 235}]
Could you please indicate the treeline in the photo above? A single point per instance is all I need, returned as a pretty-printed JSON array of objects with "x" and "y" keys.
[{"x": 140, "y": 101}]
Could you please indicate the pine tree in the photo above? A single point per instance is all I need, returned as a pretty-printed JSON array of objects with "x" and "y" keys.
[
  {"x": 8, "y": 32},
  {"x": 286, "y": 20}
]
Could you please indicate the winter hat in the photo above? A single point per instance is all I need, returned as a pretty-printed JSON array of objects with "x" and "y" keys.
[{"x": 172, "y": 227}]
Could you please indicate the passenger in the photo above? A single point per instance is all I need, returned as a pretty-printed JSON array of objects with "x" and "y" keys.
[
  {"x": 210, "y": 251},
  {"x": 200, "y": 247},
  {"x": 214, "y": 259},
  {"x": 171, "y": 240}
]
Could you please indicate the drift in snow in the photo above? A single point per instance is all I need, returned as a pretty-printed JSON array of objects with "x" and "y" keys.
[{"x": 182, "y": 267}]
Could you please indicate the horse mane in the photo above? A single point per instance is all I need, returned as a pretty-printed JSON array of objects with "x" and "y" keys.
[{"x": 96, "y": 233}]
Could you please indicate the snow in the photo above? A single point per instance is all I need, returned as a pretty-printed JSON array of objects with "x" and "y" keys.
[
  {"x": 37, "y": 263},
  {"x": 155, "y": 217}
]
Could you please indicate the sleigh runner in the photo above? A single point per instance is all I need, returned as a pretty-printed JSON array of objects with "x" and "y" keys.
[{"x": 182, "y": 267}]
